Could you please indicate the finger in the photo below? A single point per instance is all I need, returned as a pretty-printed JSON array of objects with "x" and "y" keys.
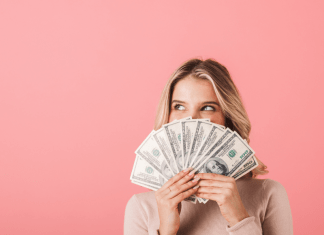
[
  {"x": 180, "y": 197},
  {"x": 211, "y": 196},
  {"x": 183, "y": 180},
  {"x": 175, "y": 178},
  {"x": 213, "y": 176},
  {"x": 216, "y": 183},
  {"x": 178, "y": 189},
  {"x": 165, "y": 188},
  {"x": 210, "y": 190}
]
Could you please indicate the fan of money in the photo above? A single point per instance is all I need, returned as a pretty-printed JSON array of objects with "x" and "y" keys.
[{"x": 198, "y": 143}]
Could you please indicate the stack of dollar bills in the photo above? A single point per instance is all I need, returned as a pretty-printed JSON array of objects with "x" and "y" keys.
[{"x": 198, "y": 143}]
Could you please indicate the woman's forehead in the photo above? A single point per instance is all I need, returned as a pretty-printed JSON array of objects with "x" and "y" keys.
[{"x": 199, "y": 90}]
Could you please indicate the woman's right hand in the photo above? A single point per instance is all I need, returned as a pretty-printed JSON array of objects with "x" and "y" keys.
[{"x": 169, "y": 198}]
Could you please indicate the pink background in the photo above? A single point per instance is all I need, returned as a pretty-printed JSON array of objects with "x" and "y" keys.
[{"x": 80, "y": 83}]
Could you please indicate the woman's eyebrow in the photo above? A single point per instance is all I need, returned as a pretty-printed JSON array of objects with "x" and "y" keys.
[
  {"x": 207, "y": 102},
  {"x": 178, "y": 101},
  {"x": 211, "y": 102}
]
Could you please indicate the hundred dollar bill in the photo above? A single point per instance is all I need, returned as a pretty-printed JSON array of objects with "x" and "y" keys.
[
  {"x": 217, "y": 141},
  {"x": 214, "y": 139},
  {"x": 248, "y": 166},
  {"x": 173, "y": 132},
  {"x": 227, "y": 158},
  {"x": 144, "y": 173},
  {"x": 161, "y": 139},
  {"x": 221, "y": 126},
  {"x": 204, "y": 119},
  {"x": 192, "y": 199},
  {"x": 202, "y": 131},
  {"x": 188, "y": 129},
  {"x": 144, "y": 185},
  {"x": 151, "y": 152}
]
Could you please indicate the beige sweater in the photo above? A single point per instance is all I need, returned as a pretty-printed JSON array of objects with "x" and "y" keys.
[{"x": 266, "y": 201}]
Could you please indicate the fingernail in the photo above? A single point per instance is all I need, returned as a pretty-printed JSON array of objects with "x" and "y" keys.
[
  {"x": 196, "y": 179},
  {"x": 196, "y": 176},
  {"x": 186, "y": 170},
  {"x": 191, "y": 173},
  {"x": 197, "y": 186}
]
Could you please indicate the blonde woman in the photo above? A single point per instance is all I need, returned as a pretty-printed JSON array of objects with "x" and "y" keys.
[{"x": 204, "y": 89}]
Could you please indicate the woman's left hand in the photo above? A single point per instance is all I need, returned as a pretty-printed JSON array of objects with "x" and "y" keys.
[{"x": 223, "y": 190}]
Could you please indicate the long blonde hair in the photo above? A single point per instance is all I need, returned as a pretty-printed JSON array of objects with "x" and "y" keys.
[{"x": 228, "y": 95}]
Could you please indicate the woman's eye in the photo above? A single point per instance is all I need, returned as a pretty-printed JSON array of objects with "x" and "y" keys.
[
  {"x": 179, "y": 107},
  {"x": 208, "y": 108}
]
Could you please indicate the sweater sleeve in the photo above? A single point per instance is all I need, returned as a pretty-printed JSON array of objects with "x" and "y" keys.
[
  {"x": 277, "y": 218},
  {"x": 277, "y": 215},
  {"x": 246, "y": 226},
  {"x": 135, "y": 221}
]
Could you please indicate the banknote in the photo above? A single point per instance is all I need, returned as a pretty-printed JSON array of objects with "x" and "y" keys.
[
  {"x": 202, "y": 131},
  {"x": 221, "y": 126},
  {"x": 144, "y": 173},
  {"x": 248, "y": 166},
  {"x": 228, "y": 157},
  {"x": 192, "y": 199},
  {"x": 188, "y": 129},
  {"x": 151, "y": 152},
  {"x": 162, "y": 140},
  {"x": 199, "y": 143},
  {"x": 215, "y": 142},
  {"x": 142, "y": 170},
  {"x": 173, "y": 132},
  {"x": 214, "y": 139}
]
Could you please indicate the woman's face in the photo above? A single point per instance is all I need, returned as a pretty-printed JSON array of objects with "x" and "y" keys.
[{"x": 196, "y": 98}]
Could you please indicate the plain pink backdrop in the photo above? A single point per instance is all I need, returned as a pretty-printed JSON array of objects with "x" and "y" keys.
[{"x": 80, "y": 82}]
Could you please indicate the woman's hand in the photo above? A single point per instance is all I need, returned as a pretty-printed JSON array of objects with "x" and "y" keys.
[
  {"x": 169, "y": 198},
  {"x": 223, "y": 190}
]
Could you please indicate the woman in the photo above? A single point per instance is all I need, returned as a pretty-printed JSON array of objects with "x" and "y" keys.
[{"x": 204, "y": 89}]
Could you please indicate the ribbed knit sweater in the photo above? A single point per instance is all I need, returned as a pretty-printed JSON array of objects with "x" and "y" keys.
[{"x": 266, "y": 202}]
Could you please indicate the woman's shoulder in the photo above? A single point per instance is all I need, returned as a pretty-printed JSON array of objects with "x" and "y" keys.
[
  {"x": 264, "y": 184},
  {"x": 265, "y": 191},
  {"x": 141, "y": 213},
  {"x": 147, "y": 197},
  {"x": 264, "y": 187},
  {"x": 262, "y": 195},
  {"x": 274, "y": 192},
  {"x": 269, "y": 185},
  {"x": 144, "y": 202}
]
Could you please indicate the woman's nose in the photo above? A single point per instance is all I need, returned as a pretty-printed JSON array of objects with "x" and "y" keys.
[{"x": 195, "y": 114}]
